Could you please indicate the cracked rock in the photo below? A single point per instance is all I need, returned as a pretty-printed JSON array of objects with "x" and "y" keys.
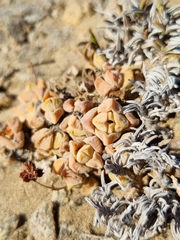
[{"x": 41, "y": 223}]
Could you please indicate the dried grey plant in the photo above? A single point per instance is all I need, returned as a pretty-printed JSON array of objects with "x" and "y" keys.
[
  {"x": 144, "y": 28},
  {"x": 156, "y": 205},
  {"x": 159, "y": 95}
]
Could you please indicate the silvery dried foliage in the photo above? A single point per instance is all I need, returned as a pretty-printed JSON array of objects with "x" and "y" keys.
[
  {"x": 147, "y": 30},
  {"x": 159, "y": 94},
  {"x": 143, "y": 30},
  {"x": 156, "y": 205}
]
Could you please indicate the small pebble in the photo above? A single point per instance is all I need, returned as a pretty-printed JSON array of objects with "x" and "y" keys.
[
  {"x": 59, "y": 196},
  {"x": 73, "y": 13},
  {"x": 30, "y": 237},
  {"x": 175, "y": 144}
]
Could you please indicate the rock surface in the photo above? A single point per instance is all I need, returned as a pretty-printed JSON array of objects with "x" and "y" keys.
[{"x": 41, "y": 223}]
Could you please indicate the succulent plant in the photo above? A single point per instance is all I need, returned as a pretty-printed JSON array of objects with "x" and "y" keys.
[{"x": 114, "y": 130}]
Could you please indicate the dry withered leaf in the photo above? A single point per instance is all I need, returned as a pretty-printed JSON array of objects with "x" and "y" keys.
[{"x": 30, "y": 172}]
